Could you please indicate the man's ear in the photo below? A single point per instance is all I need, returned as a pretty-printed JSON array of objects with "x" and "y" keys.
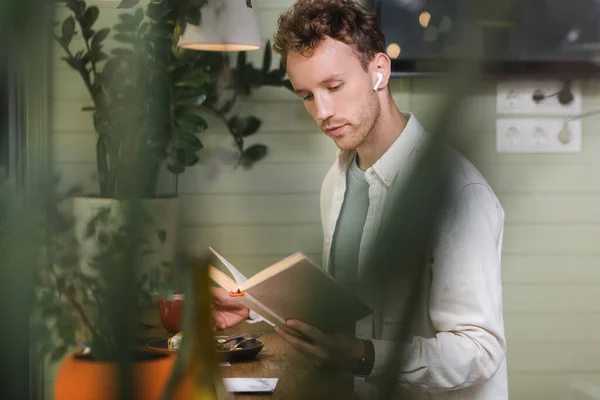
[{"x": 381, "y": 64}]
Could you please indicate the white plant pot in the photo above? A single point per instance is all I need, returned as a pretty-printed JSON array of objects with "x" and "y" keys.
[{"x": 159, "y": 235}]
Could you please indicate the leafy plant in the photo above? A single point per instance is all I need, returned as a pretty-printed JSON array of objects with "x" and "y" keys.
[
  {"x": 35, "y": 233},
  {"x": 169, "y": 89},
  {"x": 24, "y": 218},
  {"x": 73, "y": 303},
  {"x": 150, "y": 99}
]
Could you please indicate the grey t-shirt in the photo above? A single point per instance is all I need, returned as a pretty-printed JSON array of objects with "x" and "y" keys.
[{"x": 349, "y": 228}]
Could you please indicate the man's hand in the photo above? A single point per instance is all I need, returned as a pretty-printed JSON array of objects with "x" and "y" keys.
[
  {"x": 327, "y": 350},
  {"x": 226, "y": 312}
]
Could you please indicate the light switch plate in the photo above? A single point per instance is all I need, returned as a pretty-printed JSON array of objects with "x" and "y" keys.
[
  {"x": 536, "y": 135},
  {"x": 516, "y": 97}
]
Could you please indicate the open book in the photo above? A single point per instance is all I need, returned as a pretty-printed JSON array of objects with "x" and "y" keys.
[{"x": 293, "y": 288}]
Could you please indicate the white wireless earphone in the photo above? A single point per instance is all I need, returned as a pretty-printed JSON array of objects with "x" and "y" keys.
[{"x": 379, "y": 79}]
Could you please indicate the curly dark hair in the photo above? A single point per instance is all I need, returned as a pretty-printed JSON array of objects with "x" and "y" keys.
[{"x": 308, "y": 22}]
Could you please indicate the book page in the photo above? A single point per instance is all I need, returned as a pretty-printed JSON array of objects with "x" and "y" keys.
[
  {"x": 223, "y": 279},
  {"x": 273, "y": 270},
  {"x": 237, "y": 275},
  {"x": 219, "y": 277}
]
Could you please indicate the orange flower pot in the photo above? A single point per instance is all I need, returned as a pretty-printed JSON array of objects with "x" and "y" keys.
[{"x": 80, "y": 378}]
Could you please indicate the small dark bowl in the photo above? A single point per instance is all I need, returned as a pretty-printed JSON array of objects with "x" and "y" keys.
[{"x": 247, "y": 351}]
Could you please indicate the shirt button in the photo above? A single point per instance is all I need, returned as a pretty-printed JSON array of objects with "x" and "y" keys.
[{"x": 338, "y": 197}]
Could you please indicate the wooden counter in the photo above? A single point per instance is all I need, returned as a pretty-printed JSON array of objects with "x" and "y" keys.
[{"x": 298, "y": 377}]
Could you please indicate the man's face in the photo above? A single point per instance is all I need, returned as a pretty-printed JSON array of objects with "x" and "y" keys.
[{"x": 337, "y": 92}]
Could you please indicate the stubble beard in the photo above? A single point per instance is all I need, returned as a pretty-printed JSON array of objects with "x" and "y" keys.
[{"x": 360, "y": 131}]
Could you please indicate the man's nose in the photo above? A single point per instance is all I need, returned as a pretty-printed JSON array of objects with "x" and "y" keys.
[{"x": 324, "y": 109}]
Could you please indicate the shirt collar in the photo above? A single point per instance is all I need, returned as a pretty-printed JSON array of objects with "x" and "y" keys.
[{"x": 392, "y": 161}]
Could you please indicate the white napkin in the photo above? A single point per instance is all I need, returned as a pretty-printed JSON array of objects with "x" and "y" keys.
[{"x": 250, "y": 385}]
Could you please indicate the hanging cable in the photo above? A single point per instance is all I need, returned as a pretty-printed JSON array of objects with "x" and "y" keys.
[
  {"x": 565, "y": 95},
  {"x": 565, "y": 133}
]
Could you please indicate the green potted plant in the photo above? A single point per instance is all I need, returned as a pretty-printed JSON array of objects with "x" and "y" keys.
[
  {"x": 87, "y": 322},
  {"x": 149, "y": 99}
]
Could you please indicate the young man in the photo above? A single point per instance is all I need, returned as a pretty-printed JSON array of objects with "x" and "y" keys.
[{"x": 335, "y": 58}]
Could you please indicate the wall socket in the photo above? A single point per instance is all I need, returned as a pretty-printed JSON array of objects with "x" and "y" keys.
[
  {"x": 517, "y": 97},
  {"x": 536, "y": 135}
]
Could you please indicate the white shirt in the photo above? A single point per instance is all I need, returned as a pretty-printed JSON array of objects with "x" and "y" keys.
[{"x": 458, "y": 347}]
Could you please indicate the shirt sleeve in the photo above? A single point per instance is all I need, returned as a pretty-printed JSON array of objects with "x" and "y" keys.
[{"x": 465, "y": 305}]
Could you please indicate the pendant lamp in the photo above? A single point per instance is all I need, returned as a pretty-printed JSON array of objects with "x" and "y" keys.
[{"x": 226, "y": 25}]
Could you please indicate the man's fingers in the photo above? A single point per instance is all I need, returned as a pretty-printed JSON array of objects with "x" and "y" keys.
[
  {"x": 218, "y": 292},
  {"x": 216, "y": 321},
  {"x": 220, "y": 321},
  {"x": 221, "y": 295},
  {"x": 306, "y": 329},
  {"x": 300, "y": 344},
  {"x": 222, "y": 300}
]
